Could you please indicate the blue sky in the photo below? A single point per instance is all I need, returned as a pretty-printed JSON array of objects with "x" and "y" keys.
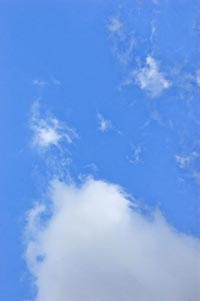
[{"x": 101, "y": 89}]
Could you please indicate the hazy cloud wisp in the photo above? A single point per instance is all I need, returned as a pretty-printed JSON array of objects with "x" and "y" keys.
[
  {"x": 49, "y": 131},
  {"x": 104, "y": 124},
  {"x": 123, "y": 41}
]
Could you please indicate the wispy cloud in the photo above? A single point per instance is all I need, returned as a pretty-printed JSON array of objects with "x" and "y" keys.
[
  {"x": 198, "y": 77},
  {"x": 150, "y": 78},
  {"x": 115, "y": 25},
  {"x": 94, "y": 246},
  {"x": 48, "y": 131},
  {"x": 123, "y": 41},
  {"x": 40, "y": 83},
  {"x": 135, "y": 157},
  {"x": 185, "y": 161},
  {"x": 56, "y": 82},
  {"x": 104, "y": 125},
  {"x": 46, "y": 83}
]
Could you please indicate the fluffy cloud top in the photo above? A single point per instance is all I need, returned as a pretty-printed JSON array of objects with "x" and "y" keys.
[
  {"x": 95, "y": 245},
  {"x": 149, "y": 78}
]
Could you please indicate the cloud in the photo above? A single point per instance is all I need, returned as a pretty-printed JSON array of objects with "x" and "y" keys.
[
  {"x": 136, "y": 155},
  {"x": 49, "y": 131},
  {"x": 40, "y": 83},
  {"x": 56, "y": 82},
  {"x": 90, "y": 242},
  {"x": 149, "y": 78},
  {"x": 115, "y": 25},
  {"x": 198, "y": 77},
  {"x": 196, "y": 176},
  {"x": 186, "y": 161},
  {"x": 123, "y": 41},
  {"x": 43, "y": 83},
  {"x": 183, "y": 161},
  {"x": 104, "y": 125}
]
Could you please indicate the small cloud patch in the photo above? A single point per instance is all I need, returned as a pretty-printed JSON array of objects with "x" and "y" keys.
[
  {"x": 104, "y": 125},
  {"x": 135, "y": 157},
  {"x": 115, "y": 25},
  {"x": 198, "y": 77},
  {"x": 185, "y": 161},
  {"x": 150, "y": 78},
  {"x": 123, "y": 40},
  {"x": 39, "y": 83},
  {"x": 49, "y": 131}
]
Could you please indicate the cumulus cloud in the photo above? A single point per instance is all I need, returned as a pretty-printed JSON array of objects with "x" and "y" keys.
[
  {"x": 91, "y": 242},
  {"x": 150, "y": 78},
  {"x": 104, "y": 125},
  {"x": 49, "y": 131}
]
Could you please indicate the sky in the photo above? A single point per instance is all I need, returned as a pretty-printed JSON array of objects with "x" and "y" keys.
[{"x": 100, "y": 150}]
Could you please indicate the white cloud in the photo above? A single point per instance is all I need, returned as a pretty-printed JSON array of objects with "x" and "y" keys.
[
  {"x": 104, "y": 125},
  {"x": 122, "y": 40},
  {"x": 43, "y": 83},
  {"x": 198, "y": 77},
  {"x": 185, "y": 161},
  {"x": 115, "y": 25},
  {"x": 49, "y": 131},
  {"x": 137, "y": 153},
  {"x": 56, "y": 82},
  {"x": 196, "y": 176},
  {"x": 125, "y": 55},
  {"x": 135, "y": 158},
  {"x": 150, "y": 79},
  {"x": 94, "y": 246},
  {"x": 40, "y": 83}
]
